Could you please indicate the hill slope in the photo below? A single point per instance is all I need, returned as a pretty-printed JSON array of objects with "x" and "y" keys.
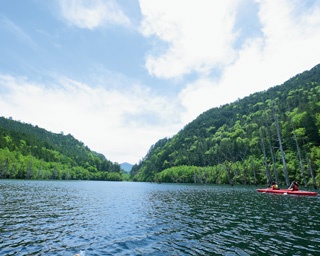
[
  {"x": 27, "y": 151},
  {"x": 126, "y": 167},
  {"x": 240, "y": 143}
]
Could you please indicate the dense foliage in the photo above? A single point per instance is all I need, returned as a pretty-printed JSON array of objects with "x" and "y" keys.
[
  {"x": 270, "y": 135},
  {"x": 30, "y": 152}
]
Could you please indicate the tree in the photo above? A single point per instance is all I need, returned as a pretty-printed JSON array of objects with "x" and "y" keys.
[
  {"x": 285, "y": 171},
  {"x": 265, "y": 156}
]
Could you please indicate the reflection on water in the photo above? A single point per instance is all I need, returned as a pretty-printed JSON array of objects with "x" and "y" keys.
[{"x": 110, "y": 218}]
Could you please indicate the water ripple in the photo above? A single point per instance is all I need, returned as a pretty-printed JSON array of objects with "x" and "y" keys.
[{"x": 109, "y": 218}]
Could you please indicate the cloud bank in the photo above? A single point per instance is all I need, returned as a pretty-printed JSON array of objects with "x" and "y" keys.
[
  {"x": 198, "y": 35},
  {"x": 204, "y": 38},
  {"x": 107, "y": 120}
]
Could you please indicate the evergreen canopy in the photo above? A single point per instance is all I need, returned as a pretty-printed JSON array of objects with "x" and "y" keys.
[{"x": 239, "y": 142}]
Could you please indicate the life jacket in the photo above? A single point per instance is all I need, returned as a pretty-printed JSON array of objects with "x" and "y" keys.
[{"x": 295, "y": 187}]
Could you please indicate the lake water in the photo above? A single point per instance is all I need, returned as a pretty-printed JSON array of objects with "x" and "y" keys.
[{"x": 124, "y": 218}]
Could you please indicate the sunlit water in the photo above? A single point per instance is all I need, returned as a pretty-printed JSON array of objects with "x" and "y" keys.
[{"x": 123, "y": 218}]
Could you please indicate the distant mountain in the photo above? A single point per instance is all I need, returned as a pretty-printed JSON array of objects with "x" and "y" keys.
[
  {"x": 30, "y": 152},
  {"x": 126, "y": 167},
  {"x": 240, "y": 142}
]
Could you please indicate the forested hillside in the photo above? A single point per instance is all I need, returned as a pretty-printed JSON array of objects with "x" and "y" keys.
[
  {"x": 30, "y": 152},
  {"x": 270, "y": 135}
]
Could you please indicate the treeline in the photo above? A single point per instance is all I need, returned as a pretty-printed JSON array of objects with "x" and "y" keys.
[
  {"x": 30, "y": 152},
  {"x": 270, "y": 135}
]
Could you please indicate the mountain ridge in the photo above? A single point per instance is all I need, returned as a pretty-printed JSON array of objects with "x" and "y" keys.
[
  {"x": 126, "y": 166},
  {"x": 215, "y": 138},
  {"x": 31, "y": 152}
]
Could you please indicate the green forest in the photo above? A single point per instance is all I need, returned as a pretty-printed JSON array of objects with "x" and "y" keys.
[
  {"x": 268, "y": 136},
  {"x": 272, "y": 135},
  {"x": 30, "y": 152}
]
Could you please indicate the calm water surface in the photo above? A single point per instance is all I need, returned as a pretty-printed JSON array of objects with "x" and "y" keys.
[{"x": 123, "y": 218}]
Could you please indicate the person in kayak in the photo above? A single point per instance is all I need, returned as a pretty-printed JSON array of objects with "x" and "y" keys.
[
  {"x": 274, "y": 185},
  {"x": 294, "y": 186}
]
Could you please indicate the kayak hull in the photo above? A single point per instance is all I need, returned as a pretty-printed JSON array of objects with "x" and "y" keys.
[{"x": 287, "y": 192}]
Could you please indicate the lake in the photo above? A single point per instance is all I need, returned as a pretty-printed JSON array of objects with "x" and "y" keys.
[{"x": 126, "y": 218}]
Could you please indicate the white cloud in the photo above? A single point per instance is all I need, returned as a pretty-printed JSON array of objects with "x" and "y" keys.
[
  {"x": 95, "y": 115},
  {"x": 204, "y": 94},
  {"x": 197, "y": 97},
  {"x": 198, "y": 39},
  {"x": 286, "y": 46},
  {"x": 93, "y": 13},
  {"x": 198, "y": 35}
]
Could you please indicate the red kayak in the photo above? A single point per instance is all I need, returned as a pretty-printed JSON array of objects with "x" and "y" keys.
[{"x": 287, "y": 192}]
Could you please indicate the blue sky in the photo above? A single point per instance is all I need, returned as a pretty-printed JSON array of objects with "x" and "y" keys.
[{"x": 120, "y": 75}]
